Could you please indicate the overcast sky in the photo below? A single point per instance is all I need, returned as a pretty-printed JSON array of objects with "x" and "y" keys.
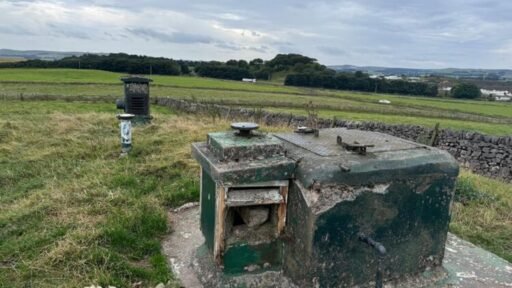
[{"x": 397, "y": 33}]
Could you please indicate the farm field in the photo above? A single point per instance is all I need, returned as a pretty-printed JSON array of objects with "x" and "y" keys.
[
  {"x": 105, "y": 77},
  {"x": 81, "y": 215},
  {"x": 84, "y": 216},
  {"x": 486, "y": 117},
  {"x": 11, "y": 59},
  {"x": 486, "y": 128}
]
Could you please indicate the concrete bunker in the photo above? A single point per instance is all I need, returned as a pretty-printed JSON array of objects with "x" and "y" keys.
[{"x": 338, "y": 208}]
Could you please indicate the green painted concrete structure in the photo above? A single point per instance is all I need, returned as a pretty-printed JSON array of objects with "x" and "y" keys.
[
  {"x": 208, "y": 199},
  {"x": 396, "y": 195},
  {"x": 232, "y": 162}
]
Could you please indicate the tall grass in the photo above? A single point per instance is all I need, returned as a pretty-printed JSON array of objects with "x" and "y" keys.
[
  {"x": 73, "y": 212},
  {"x": 482, "y": 213}
]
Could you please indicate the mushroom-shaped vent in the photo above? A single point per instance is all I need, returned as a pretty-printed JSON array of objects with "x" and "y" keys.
[{"x": 244, "y": 128}]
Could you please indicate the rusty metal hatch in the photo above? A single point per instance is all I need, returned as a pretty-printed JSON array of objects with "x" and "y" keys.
[{"x": 326, "y": 143}]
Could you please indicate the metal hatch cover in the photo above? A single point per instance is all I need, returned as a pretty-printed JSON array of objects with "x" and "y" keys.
[
  {"x": 326, "y": 143},
  {"x": 254, "y": 196}
]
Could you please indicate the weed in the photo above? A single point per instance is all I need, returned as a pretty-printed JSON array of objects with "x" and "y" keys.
[
  {"x": 466, "y": 192},
  {"x": 73, "y": 213},
  {"x": 482, "y": 215}
]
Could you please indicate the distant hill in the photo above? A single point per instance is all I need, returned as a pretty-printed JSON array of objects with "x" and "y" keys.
[
  {"x": 37, "y": 54},
  {"x": 487, "y": 74}
]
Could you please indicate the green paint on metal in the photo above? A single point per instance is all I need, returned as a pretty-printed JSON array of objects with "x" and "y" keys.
[
  {"x": 412, "y": 231},
  {"x": 412, "y": 226},
  {"x": 208, "y": 188},
  {"x": 228, "y": 146},
  {"x": 243, "y": 258},
  {"x": 398, "y": 194},
  {"x": 244, "y": 172},
  {"x": 230, "y": 139},
  {"x": 234, "y": 161}
]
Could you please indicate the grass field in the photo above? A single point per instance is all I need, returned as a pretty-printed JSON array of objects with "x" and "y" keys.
[
  {"x": 104, "y": 77},
  {"x": 75, "y": 214},
  {"x": 482, "y": 215},
  {"x": 486, "y": 117},
  {"x": 483, "y": 127},
  {"x": 11, "y": 59}
]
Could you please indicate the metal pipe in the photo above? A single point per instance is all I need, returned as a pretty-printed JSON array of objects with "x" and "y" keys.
[
  {"x": 381, "y": 252},
  {"x": 125, "y": 127},
  {"x": 376, "y": 245}
]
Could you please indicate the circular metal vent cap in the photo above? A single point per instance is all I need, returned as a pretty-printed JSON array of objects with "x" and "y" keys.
[
  {"x": 244, "y": 128},
  {"x": 125, "y": 116}
]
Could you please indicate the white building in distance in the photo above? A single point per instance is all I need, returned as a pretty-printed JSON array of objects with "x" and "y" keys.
[{"x": 499, "y": 95}]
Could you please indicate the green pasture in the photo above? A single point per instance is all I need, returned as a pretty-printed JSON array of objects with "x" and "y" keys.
[
  {"x": 486, "y": 117},
  {"x": 11, "y": 59},
  {"x": 482, "y": 127}
]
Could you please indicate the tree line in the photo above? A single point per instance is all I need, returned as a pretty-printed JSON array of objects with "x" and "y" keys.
[
  {"x": 300, "y": 70},
  {"x": 115, "y": 62},
  {"x": 359, "y": 81},
  {"x": 257, "y": 68},
  {"x": 135, "y": 64}
]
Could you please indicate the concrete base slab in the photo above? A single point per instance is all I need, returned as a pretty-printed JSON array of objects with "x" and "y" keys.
[{"x": 465, "y": 265}]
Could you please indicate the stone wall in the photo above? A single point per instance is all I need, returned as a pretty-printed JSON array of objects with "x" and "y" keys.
[{"x": 483, "y": 154}]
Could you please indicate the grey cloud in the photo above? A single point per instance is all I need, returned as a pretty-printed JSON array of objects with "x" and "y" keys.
[
  {"x": 228, "y": 46},
  {"x": 70, "y": 33},
  {"x": 363, "y": 32},
  {"x": 336, "y": 51},
  {"x": 14, "y": 30},
  {"x": 67, "y": 30},
  {"x": 176, "y": 37},
  {"x": 261, "y": 49},
  {"x": 234, "y": 47}
]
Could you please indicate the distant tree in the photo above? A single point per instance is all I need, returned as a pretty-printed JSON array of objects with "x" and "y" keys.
[
  {"x": 492, "y": 76},
  {"x": 285, "y": 61},
  {"x": 232, "y": 62},
  {"x": 223, "y": 72},
  {"x": 184, "y": 68},
  {"x": 466, "y": 91},
  {"x": 359, "y": 74},
  {"x": 299, "y": 67},
  {"x": 115, "y": 62},
  {"x": 256, "y": 62},
  {"x": 243, "y": 64},
  {"x": 263, "y": 73},
  {"x": 216, "y": 63},
  {"x": 359, "y": 81}
]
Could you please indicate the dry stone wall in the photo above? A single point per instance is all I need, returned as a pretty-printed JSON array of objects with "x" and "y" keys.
[{"x": 483, "y": 154}]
